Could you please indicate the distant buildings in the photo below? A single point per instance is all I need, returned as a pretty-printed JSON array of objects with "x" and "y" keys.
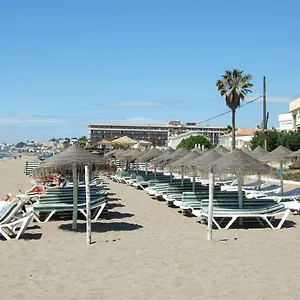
[
  {"x": 158, "y": 135},
  {"x": 243, "y": 137},
  {"x": 291, "y": 120}
]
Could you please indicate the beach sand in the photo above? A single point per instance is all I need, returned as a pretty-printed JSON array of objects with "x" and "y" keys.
[{"x": 145, "y": 250}]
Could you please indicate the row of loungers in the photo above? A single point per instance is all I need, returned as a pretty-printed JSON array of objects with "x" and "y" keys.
[
  {"x": 192, "y": 200},
  {"x": 57, "y": 200}
]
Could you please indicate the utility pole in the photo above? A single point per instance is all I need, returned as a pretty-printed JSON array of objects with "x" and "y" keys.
[
  {"x": 149, "y": 135},
  {"x": 265, "y": 113}
]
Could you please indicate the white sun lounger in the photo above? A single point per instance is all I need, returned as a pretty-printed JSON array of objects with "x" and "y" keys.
[{"x": 263, "y": 213}]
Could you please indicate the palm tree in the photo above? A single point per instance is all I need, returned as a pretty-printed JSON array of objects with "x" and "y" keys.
[{"x": 234, "y": 86}]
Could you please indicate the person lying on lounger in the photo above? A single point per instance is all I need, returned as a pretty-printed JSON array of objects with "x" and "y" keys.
[
  {"x": 41, "y": 189},
  {"x": 5, "y": 203}
]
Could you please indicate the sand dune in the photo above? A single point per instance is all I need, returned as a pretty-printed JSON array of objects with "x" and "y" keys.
[{"x": 145, "y": 250}]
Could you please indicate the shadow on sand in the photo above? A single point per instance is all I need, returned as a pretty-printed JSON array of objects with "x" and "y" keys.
[
  {"x": 26, "y": 236},
  {"x": 118, "y": 215},
  {"x": 113, "y": 199},
  {"x": 103, "y": 227},
  {"x": 114, "y": 205}
]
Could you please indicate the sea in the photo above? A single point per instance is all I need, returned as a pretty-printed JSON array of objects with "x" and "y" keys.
[{"x": 2, "y": 155}]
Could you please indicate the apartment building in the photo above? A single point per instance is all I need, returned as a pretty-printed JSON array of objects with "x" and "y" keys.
[{"x": 158, "y": 135}]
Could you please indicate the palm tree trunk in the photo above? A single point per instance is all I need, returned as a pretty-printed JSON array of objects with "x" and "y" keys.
[{"x": 233, "y": 129}]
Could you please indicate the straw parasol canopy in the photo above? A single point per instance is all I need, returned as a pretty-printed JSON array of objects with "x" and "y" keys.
[
  {"x": 119, "y": 154},
  {"x": 187, "y": 158},
  {"x": 198, "y": 150},
  {"x": 258, "y": 153},
  {"x": 162, "y": 156},
  {"x": 295, "y": 154},
  {"x": 279, "y": 153},
  {"x": 202, "y": 162},
  {"x": 152, "y": 153},
  {"x": 221, "y": 150},
  {"x": 245, "y": 150},
  {"x": 239, "y": 163},
  {"x": 138, "y": 154},
  {"x": 125, "y": 140},
  {"x": 295, "y": 165},
  {"x": 111, "y": 153},
  {"x": 176, "y": 155},
  {"x": 128, "y": 154},
  {"x": 62, "y": 162}
]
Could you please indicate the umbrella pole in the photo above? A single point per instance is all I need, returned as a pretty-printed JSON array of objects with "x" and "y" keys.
[
  {"x": 171, "y": 175},
  {"x": 146, "y": 169},
  {"x": 259, "y": 182},
  {"x": 88, "y": 206},
  {"x": 137, "y": 167},
  {"x": 240, "y": 195},
  {"x": 182, "y": 175},
  {"x": 75, "y": 196},
  {"x": 194, "y": 180},
  {"x": 281, "y": 177},
  {"x": 210, "y": 204},
  {"x": 154, "y": 171}
]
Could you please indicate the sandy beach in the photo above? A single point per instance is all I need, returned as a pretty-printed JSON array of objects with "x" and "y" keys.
[{"x": 145, "y": 250}]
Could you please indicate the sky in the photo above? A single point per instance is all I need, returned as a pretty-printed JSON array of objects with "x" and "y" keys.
[{"x": 67, "y": 63}]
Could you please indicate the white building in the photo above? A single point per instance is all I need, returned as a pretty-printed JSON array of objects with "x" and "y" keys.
[
  {"x": 175, "y": 140},
  {"x": 295, "y": 111},
  {"x": 285, "y": 121},
  {"x": 243, "y": 137}
]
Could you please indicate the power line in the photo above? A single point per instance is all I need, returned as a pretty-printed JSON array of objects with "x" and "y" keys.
[{"x": 227, "y": 112}]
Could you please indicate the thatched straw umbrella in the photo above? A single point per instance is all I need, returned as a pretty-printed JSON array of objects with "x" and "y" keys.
[
  {"x": 235, "y": 162},
  {"x": 165, "y": 153},
  {"x": 280, "y": 154},
  {"x": 168, "y": 159},
  {"x": 148, "y": 156},
  {"x": 138, "y": 154},
  {"x": 198, "y": 150},
  {"x": 185, "y": 159},
  {"x": 182, "y": 163},
  {"x": 245, "y": 150},
  {"x": 110, "y": 153},
  {"x": 258, "y": 153},
  {"x": 128, "y": 154},
  {"x": 221, "y": 150},
  {"x": 176, "y": 155},
  {"x": 119, "y": 154},
  {"x": 295, "y": 164},
  {"x": 70, "y": 161},
  {"x": 201, "y": 162},
  {"x": 295, "y": 154}
]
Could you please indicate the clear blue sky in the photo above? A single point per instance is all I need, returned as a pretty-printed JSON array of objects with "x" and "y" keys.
[{"x": 64, "y": 64}]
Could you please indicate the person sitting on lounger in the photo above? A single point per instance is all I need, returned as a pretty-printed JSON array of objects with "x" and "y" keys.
[{"x": 7, "y": 198}]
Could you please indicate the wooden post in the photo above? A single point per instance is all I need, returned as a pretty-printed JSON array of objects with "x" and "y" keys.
[
  {"x": 75, "y": 196},
  {"x": 210, "y": 204},
  {"x": 259, "y": 182},
  {"x": 88, "y": 206},
  {"x": 182, "y": 175},
  {"x": 281, "y": 176},
  {"x": 240, "y": 196},
  {"x": 194, "y": 179}
]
